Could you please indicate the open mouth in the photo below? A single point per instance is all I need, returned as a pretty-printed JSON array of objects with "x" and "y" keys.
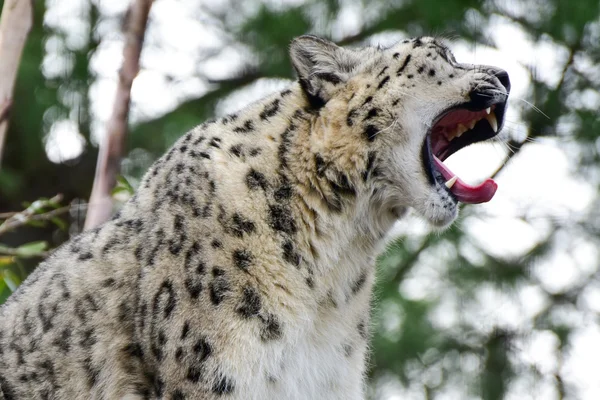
[{"x": 455, "y": 129}]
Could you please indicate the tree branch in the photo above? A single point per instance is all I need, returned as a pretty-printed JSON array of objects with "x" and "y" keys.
[
  {"x": 20, "y": 218},
  {"x": 15, "y": 23},
  {"x": 112, "y": 147}
]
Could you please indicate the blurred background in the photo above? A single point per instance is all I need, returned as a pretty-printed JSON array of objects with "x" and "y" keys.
[{"x": 504, "y": 305}]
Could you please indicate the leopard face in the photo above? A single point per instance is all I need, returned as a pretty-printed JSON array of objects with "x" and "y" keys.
[{"x": 410, "y": 106}]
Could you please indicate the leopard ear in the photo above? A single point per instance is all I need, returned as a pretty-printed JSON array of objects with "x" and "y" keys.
[{"x": 321, "y": 66}]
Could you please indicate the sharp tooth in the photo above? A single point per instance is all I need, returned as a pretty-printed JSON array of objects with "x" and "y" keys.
[
  {"x": 493, "y": 122},
  {"x": 460, "y": 129},
  {"x": 488, "y": 110},
  {"x": 450, "y": 182},
  {"x": 472, "y": 124}
]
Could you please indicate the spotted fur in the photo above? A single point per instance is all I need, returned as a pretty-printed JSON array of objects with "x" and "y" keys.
[{"x": 244, "y": 265}]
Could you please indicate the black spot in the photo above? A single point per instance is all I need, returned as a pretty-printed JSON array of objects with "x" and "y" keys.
[
  {"x": 289, "y": 253},
  {"x": 193, "y": 284},
  {"x": 219, "y": 288},
  {"x": 342, "y": 185},
  {"x": 91, "y": 370},
  {"x": 198, "y": 141},
  {"x": 133, "y": 350},
  {"x": 157, "y": 345},
  {"x": 417, "y": 43},
  {"x": 254, "y": 152},
  {"x": 85, "y": 307},
  {"x": 382, "y": 71},
  {"x": 285, "y": 144},
  {"x": 185, "y": 330},
  {"x": 223, "y": 386},
  {"x": 280, "y": 219},
  {"x": 236, "y": 150},
  {"x": 421, "y": 69},
  {"x": 164, "y": 300},
  {"x": 403, "y": 66},
  {"x": 108, "y": 282},
  {"x": 88, "y": 339},
  {"x": 383, "y": 82},
  {"x": 451, "y": 76},
  {"x": 396, "y": 55},
  {"x": 271, "y": 328},
  {"x": 63, "y": 340},
  {"x": 183, "y": 148},
  {"x": 190, "y": 254},
  {"x": 241, "y": 225},
  {"x": 177, "y": 395},
  {"x": 286, "y": 92},
  {"x": 368, "y": 100},
  {"x": 359, "y": 283},
  {"x": 242, "y": 259},
  {"x": 372, "y": 113},
  {"x": 347, "y": 349},
  {"x": 370, "y": 169},
  {"x": 178, "y": 354},
  {"x": 255, "y": 180},
  {"x": 7, "y": 390},
  {"x": 176, "y": 244},
  {"x": 229, "y": 118},
  {"x": 432, "y": 72},
  {"x": 283, "y": 192},
  {"x": 370, "y": 132},
  {"x": 270, "y": 110},
  {"x": 349, "y": 117},
  {"x": 216, "y": 244},
  {"x": 85, "y": 256},
  {"x": 215, "y": 142},
  {"x": 320, "y": 165},
  {"x": 329, "y": 77},
  {"x": 362, "y": 329},
  {"x": 112, "y": 242},
  {"x": 202, "y": 349},
  {"x": 194, "y": 373},
  {"x": 247, "y": 127},
  {"x": 310, "y": 282},
  {"x": 250, "y": 304},
  {"x": 410, "y": 76}
]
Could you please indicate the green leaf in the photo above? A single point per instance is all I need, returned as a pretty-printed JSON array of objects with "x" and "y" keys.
[
  {"x": 31, "y": 249},
  {"x": 123, "y": 185},
  {"x": 62, "y": 225},
  {"x": 11, "y": 279}
]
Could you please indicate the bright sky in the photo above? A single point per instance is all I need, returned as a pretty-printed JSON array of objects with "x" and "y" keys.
[{"x": 538, "y": 183}]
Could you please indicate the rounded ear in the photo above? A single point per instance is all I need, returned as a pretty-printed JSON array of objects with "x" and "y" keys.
[{"x": 321, "y": 65}]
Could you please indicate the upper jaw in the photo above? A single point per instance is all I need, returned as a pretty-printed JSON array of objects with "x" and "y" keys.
[
  {"x": 477, "y": 120},
  {"x": 470, "y": 124}
]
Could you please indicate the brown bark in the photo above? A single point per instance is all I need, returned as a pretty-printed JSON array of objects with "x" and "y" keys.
[
  {"x": 15, "y": 24},
  {"x": 112, "y": 147}
]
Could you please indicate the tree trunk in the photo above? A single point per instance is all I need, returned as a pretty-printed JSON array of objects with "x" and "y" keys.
[
  {"x": 113, "y": 144},
  {"x": 15, "y": 24}
]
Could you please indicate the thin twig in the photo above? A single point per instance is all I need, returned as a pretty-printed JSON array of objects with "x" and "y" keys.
[
  {"x": 9, "y": 251},
  {"x": 15, "y": 23},
  {"x": 112, "y": 147},
  {"x": 14, "y": 223},
  {"x": 17, "y": 219}
]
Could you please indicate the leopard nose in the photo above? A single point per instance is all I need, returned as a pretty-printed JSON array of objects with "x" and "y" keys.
[{"x": 502, "y": 76}]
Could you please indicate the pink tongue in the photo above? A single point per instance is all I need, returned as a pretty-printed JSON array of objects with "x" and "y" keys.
[{"x": 466, "y": 193}]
